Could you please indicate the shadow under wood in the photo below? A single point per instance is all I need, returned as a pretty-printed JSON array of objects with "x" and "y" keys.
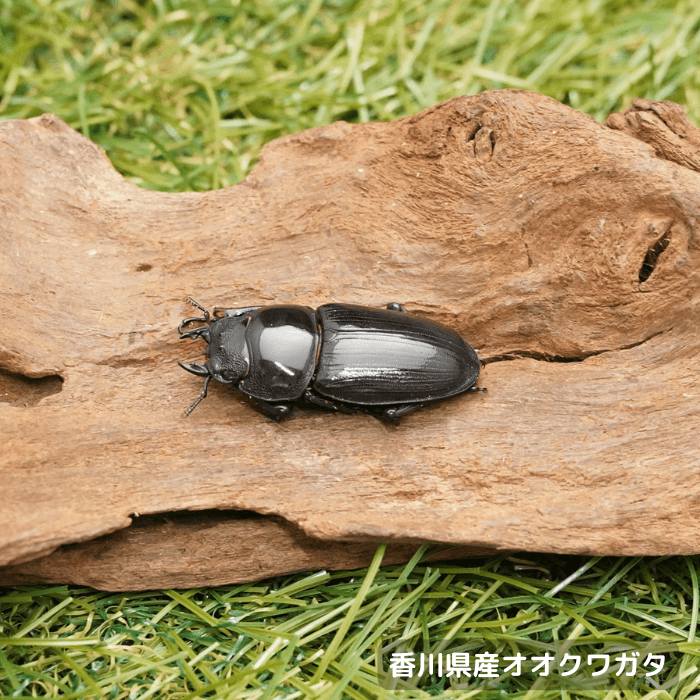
[
  {"x": 198, "y": 548},
  {"x": 27, "y": 391}
]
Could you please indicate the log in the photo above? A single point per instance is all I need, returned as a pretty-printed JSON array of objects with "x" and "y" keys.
[
  {"x": 565, "y": 251},
  {"x": 194, "y": 548}
]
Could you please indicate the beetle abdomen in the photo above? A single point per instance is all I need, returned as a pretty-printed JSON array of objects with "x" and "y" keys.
[
  {"x": 282, "y": 343},
  {"x": 374, "y": 357}
]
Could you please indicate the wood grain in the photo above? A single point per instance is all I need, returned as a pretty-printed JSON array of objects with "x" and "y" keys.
[
  {"x": 516, "y": 220},
  {"x": 206, "y": 548}
]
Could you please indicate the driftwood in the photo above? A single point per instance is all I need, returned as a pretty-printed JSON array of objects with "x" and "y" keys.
[
  {"x": 189, "y": 548},
  {"x": 565, "y": 251}
]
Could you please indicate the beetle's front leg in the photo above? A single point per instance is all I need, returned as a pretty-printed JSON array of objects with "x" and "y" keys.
[
  {"x": 276, "y": 411},
  {"x": 326, "y": 403}
]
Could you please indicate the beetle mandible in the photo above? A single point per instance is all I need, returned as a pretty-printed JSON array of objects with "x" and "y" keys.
[{"x": 340, "y": 357}]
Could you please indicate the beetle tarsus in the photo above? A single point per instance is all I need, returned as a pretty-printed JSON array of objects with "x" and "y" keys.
[
  {"x": 394, "y": 413},
  {"x": 476, "y": 388},
  {"x": 395, "y": 306}
]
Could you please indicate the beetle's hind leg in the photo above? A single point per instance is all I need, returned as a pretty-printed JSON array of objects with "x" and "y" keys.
[
  {"x": 312, "y": 398},
  {"x": 395, "y": 306},
  {"x": 393, "y": 413}
]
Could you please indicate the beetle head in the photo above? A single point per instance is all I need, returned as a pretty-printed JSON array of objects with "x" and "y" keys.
[{"x": 227, "y": 351}]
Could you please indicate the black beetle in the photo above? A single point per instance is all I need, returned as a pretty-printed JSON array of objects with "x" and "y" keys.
[{"x": 340, "y": 357}]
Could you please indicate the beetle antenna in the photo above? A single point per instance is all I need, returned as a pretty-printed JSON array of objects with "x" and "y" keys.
[
  {"x": 203, "y": 396},
  {"x": 189, "y": 300}
]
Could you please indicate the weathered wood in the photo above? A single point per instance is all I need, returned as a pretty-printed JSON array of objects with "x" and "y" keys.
[
  {"x": 520, "y": 222},
  {"x": 665, "y": 127},
  {"x": 190, "y": 549}
]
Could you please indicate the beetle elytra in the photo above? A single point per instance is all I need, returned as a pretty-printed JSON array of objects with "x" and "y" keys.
[{"x": 340, "y": 357}]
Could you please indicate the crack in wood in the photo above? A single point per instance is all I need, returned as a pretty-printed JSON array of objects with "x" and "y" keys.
[
  {"x": 652, "y": 256},
  {"x": 546, "y": 357}
]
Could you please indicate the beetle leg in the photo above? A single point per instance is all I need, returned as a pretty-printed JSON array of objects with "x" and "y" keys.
[
  {"x": 476, "y": 388},
  {"x": 276, "y": 411},
  {"x": 204, "y": 392},
  {"x": 392, "y": 415},
  {"x": 326, "y": 403},
  {"x": 394, "y": 306},
  {"x": 234, "y": 312}
]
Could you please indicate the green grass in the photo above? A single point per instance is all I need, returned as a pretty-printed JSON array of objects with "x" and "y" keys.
[
  {"x": 182, "y": 95},
  {"x": 329, "y": 636}
]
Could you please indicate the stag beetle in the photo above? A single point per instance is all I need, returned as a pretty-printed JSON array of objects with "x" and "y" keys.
[{"x": 340, "y": 357}]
